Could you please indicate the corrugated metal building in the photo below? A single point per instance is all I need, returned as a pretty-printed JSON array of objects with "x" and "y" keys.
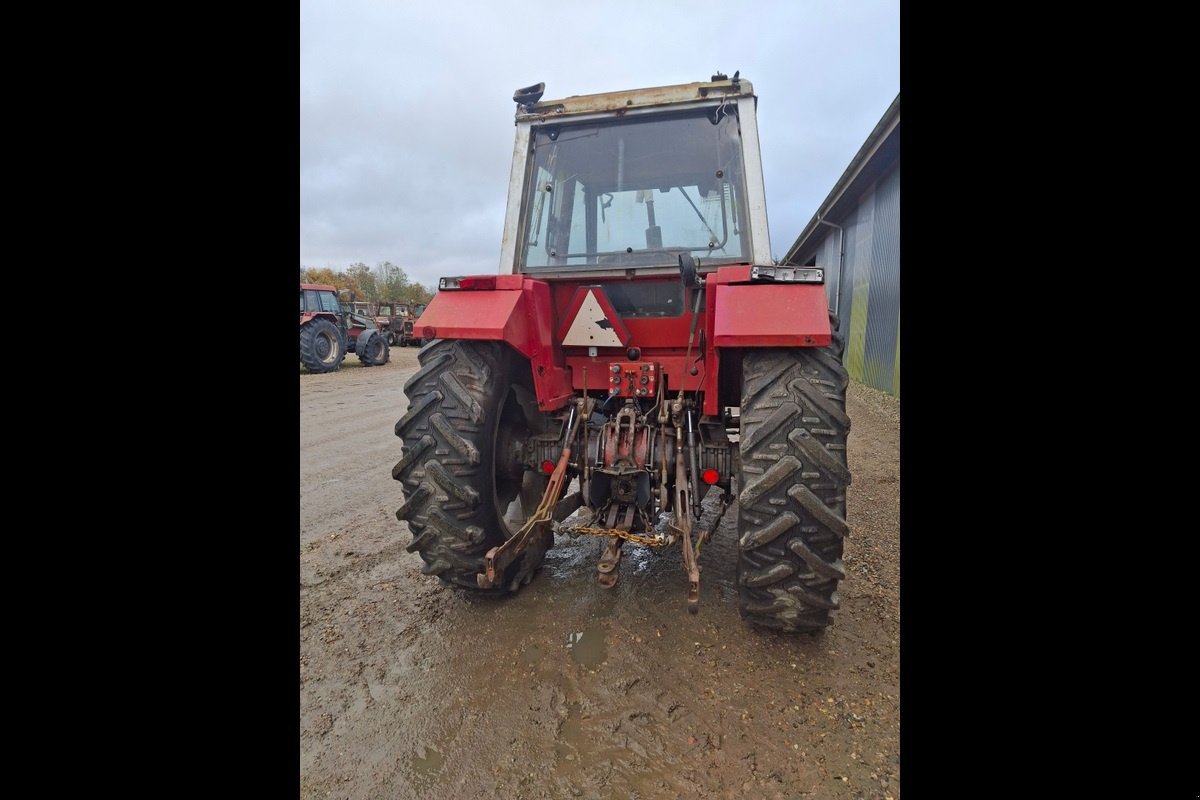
[{"x": 855, "y": 236}]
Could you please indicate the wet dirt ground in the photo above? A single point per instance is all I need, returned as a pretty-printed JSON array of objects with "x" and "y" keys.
[{"x": 409, "y": 689}]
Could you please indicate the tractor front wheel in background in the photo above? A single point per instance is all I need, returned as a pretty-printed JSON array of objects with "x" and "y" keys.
[
  {"x": 321, "y": 346},
  {"x": 372, "y": 348},
  {"x": 471, "y": 409},
  {"x": 792, "y": 497}
]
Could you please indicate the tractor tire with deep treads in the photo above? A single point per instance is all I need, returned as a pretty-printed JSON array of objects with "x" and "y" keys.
[
  {"x": 372, "y": 348},
  {"x": 321, "y": 346},
  {"x": 471, "y": 407},
  {"x": 792, "y": 495}
]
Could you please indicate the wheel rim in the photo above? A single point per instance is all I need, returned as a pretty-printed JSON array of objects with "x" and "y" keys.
[
  {"x": 518, "y": 490},
  {"x": 324, "y": 348}
]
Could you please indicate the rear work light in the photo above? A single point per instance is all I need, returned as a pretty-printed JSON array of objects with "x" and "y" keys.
[
  {"x": 788, "y": 274},
  {"x": 476, "y": 282}
]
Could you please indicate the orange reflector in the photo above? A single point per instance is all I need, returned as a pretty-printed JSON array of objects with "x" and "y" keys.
[
  {"x": 548, "y": 467},
  {"x": 710, "y": 476}
]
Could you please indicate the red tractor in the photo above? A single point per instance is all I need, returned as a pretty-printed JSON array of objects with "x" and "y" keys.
[
  {"x": 639, "y": 365},
  {"x": 408, "y": 333},
  {"x": 330, "y": 328},
  {"x": 387, "y": 319}
]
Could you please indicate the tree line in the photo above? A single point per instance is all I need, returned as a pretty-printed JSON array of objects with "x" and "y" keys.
[{"x": 386, "y": 283}]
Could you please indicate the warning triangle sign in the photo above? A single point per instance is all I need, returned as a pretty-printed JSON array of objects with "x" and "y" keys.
[{"x": 591, "y": 326}]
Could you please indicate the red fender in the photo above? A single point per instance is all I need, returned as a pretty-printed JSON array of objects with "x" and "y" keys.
[
  {"x": 768, "y": 314},
  {"x": 517, "y": 312}
]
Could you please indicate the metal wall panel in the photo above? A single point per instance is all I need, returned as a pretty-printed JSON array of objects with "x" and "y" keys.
[
  {"x": 827, "y": 258},
  {"x": 870, "y": 285},
  {"x": 896, "y": 361},
  {"x": 883, "y": 306},
  {"x": 844, "y": 304},
  {"x": 860, "y": 235}
]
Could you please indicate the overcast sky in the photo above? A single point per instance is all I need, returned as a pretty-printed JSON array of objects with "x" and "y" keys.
[{"x": 406, "y": 111}]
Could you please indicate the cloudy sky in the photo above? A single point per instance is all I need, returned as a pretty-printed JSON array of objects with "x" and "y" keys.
[{"x": 406, "y": 111}]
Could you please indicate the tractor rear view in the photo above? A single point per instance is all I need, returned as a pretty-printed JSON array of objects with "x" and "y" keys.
[{"x": 639, "y": 367}]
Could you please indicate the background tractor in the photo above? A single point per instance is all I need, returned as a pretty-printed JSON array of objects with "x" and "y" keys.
[
  {"x": 384, "y": 317},
  {"x": 639, "y": 366},
  {"x": 407, "y": 331},
  {"x": 330, "y": 328}
]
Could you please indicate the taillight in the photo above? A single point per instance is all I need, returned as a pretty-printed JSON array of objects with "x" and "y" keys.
[
  {"x": 478, "y": 282},
  {"x": 710, "y": 476}
]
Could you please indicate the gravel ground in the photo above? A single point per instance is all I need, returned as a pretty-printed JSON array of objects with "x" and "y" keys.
[{"x": 409, "y": 689}]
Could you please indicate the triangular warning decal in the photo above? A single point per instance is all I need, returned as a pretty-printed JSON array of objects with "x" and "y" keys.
[{"x": 592, "y": 327}]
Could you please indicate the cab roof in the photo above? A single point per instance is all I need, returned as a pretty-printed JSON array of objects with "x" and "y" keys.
[{"x": 637, "y": 98}]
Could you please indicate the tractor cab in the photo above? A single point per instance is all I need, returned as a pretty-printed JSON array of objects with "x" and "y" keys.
[{"x": 356, "y": 315}]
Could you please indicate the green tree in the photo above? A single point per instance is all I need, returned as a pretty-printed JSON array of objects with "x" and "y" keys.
[
  {"x": 390, "y": 280},
  {"x": 421, "y": 294},
  {"x": 360, "y": 281},
  {"x": 386, "y": 283},
  {"x": 322, "y": 275}
]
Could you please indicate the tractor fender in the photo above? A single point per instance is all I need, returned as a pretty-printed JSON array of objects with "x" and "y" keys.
[
  {"x": 518, "y": 312},
  {"x": 497, "y": 315},
  {"x": 771, "y": 315}
]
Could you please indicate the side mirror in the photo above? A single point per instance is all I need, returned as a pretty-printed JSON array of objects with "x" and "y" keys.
[{"x": 687, "y": 271}]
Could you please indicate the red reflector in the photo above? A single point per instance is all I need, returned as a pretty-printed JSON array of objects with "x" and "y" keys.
[
  {"x": 478, "y": 282},
  {"x": 710, "y": 476},
  {"x": 548, "y": 467},
  {"x": 429, "y": 332}
]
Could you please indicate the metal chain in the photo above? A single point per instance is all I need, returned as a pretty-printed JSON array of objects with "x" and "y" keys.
[{"x": 652, "y": 541}]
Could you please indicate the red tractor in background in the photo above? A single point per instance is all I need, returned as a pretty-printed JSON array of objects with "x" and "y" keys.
[
  {"x": 407, "y": 332},
  {"x": 387, "y": 319},
  {"x": 639, "y": 366},
  {"x": 330, "y": 328}
]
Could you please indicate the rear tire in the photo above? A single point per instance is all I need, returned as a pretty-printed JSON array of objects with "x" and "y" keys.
[
  {"x": 466, "y": 490},
  {"x": 792, "y": 497},
  {"x": 321, "y": 346},
  {"x": 372, "y": 349}
]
